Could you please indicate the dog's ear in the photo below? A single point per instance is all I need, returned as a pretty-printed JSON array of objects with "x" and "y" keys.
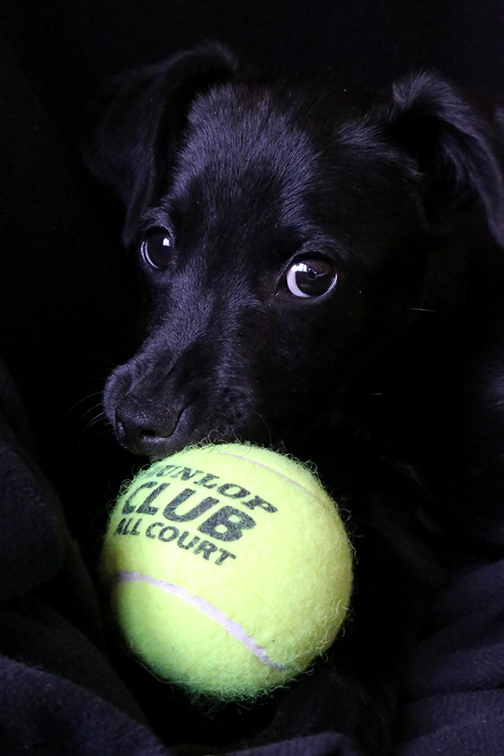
[
  {"x": 458, "y": 151},
  {"x": 136, "y": 123}
]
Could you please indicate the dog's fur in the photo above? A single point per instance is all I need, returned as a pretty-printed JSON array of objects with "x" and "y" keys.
[{"x": 391, "y": 381}]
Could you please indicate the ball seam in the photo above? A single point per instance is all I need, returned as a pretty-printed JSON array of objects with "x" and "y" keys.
[
  {"x": 232, "y": 627},
  {"x": 273, "y": 470}
]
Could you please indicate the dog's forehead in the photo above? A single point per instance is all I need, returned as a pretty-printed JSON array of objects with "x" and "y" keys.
[
  {"x": 235, "y": 132},
  {"x": 273, "y": 170}
]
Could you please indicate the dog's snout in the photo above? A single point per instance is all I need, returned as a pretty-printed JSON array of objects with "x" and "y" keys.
[{"x": 144, "y": 427}]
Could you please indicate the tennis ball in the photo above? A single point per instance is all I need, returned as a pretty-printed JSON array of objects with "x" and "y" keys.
[{"x": 229, "y": 569}]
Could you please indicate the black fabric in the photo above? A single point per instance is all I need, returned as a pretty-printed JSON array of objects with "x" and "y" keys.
[
  {"x": 67, "y": 304},
  {"x": 456, "y": 677},
  {"x": 58, "y": 693}
]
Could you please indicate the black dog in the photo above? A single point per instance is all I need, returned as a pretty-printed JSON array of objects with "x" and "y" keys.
[{"x": 325, "y": 274}]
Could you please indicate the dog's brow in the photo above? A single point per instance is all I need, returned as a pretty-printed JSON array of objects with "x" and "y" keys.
[{"x": 239, "y": 136}]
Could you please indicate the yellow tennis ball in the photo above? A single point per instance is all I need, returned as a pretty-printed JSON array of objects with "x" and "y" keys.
[{"x": 229, "y": 569}]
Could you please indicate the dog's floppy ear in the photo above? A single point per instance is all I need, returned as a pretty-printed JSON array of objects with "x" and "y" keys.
[
  {"x": 137, "y": 121},
  {"x": 455, "y": 148}
]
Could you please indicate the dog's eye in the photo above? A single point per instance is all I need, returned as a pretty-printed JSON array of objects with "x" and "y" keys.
[
  {"x": 157, "y": 249},
  {"x": 310, "y": 278}
]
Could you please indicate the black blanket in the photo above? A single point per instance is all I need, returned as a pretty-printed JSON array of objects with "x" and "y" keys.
[{"x": 67, "y": 302}]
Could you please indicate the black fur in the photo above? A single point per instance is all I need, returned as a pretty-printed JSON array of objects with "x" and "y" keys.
[{"x": 391, "y": 381}]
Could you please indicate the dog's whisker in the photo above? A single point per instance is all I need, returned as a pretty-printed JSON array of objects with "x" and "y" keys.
[
  {"x": 93, "y": 416},
  {"x": 94, "y": 421},
  {"x": 265, "y": 423},
  {"x": 106, "y": 431},
  {"x": 90, "y": 414},
  {"x": 85, "y": 399},
  {"x": 92, "y": 409}
]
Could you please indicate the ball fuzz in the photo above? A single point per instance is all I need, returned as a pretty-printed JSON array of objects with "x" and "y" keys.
[{"x": 229, "y": 569}]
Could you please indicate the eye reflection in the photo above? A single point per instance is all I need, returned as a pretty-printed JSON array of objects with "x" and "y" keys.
[
  {"x": 310, "y": 278},
  {"x": 156, "y": 250}
]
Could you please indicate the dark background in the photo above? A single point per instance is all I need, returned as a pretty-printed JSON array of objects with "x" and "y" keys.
[{"x": 61, "y": 45}]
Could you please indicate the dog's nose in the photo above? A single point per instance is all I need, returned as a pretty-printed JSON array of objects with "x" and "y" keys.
[{"x": 142, "y": 426}]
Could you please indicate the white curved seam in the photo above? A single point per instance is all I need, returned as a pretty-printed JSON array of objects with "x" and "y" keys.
[
  {"x": 205, "y": 607},
  {"x": 271, "y": 469}
]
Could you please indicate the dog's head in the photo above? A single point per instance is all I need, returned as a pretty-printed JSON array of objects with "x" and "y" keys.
[{"x": 286, "y": 234}]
